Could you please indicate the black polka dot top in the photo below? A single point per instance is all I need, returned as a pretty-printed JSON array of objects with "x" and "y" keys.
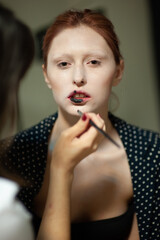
[{"x": 28, "y": 152}]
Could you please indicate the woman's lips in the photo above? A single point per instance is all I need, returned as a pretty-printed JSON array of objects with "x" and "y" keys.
[
  {"x": 76, "y": 100},
  {"x": 79, "y": 97}
]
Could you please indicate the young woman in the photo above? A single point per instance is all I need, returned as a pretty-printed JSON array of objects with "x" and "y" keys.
[{"x": 104, "y": 191}]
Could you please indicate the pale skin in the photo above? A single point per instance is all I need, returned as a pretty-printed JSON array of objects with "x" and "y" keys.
[{"x": 82, "y": 62}]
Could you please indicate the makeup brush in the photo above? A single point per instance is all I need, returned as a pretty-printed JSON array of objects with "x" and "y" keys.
[{"x": 100, "y": 130}]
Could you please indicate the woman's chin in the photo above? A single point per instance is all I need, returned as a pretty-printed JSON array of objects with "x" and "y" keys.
[{"x": 83, "y": 109}]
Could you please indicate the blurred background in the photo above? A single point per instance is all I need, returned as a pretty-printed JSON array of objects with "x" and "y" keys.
[{"x": 134, "y": 21}]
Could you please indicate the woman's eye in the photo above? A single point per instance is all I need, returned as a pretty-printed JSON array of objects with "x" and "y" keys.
[
  {"x": 94, "y": 62},
  {"x": 63, "y": 64}
]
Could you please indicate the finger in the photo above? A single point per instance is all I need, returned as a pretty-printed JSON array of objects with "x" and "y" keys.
[
  {"x": 96, "y": 119},
  {"x": 79, "y": 128},
  {"x": 91, "y": 134}
]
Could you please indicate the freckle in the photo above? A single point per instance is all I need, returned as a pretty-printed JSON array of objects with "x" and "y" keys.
[{"x": 75, "y": 91}]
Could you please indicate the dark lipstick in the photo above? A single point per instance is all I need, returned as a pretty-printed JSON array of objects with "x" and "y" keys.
[{"x": 76, "y": 100}]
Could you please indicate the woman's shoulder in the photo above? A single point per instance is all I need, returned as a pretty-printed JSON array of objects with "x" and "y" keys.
[
  {"x": 27, "y": 150},
  {"x": 140, "y": 144},
  {"x": 135, "y": 132},
  {"x": 42, "y": 128}
]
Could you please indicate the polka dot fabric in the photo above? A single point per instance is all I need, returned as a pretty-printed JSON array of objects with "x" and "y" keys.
[
  {"x": 28, "y": 154},
  {"x": 143, "y": 151}
]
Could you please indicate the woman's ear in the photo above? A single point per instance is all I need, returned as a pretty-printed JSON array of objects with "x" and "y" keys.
[
  {"x": 119, "y": 73},
  {"x": 46, "y": 77}
]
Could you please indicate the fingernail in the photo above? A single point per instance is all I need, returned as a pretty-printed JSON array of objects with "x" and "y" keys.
[{"x": 84, "y": 117}]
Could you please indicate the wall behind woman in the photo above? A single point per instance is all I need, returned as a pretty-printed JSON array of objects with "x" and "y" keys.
[{"x": 137, "y": 93}]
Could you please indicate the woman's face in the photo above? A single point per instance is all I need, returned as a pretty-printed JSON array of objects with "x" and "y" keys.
[{"x": 81, "y": 65}]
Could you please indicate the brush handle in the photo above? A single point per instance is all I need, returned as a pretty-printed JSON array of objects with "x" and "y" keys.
[
  {"x": 100, "y": 130},
  {"x": 104, "y": 133}
]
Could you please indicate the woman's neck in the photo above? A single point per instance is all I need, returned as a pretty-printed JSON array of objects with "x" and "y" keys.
[{"x": 63, "y": 122}]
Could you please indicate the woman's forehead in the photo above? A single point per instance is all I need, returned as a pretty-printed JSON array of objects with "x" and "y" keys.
[
  {"x": 81, "y": 32},
  {"x": 81, "y": 38}
]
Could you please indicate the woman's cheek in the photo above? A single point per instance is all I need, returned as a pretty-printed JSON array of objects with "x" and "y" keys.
[{"x": 55, "y": 82}]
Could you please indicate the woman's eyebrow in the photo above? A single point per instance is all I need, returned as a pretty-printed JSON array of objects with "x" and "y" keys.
[
  {"x": 59, "y": 56},
  {"x": 95, "y": 54},
  {"x": 99, "y": 56}
]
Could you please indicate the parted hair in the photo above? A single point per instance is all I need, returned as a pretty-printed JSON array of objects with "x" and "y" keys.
[{"x": 75, "y": 18}]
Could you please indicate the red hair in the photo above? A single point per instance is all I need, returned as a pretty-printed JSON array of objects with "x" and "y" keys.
[{"x": 74, "y": 18}]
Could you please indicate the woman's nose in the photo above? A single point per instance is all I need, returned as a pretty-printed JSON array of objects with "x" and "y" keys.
[{"x": 79, "y": 76}]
